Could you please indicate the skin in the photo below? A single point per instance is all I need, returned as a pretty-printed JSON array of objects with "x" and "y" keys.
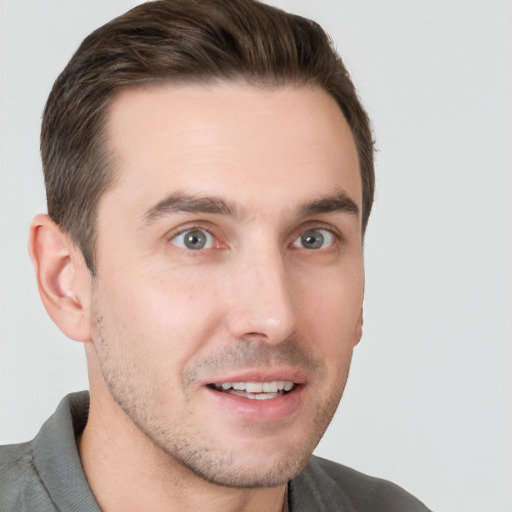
[{"x": 160, "y": 321}]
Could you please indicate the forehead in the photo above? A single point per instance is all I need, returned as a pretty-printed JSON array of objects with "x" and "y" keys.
[{"x": 230, "y": 139}]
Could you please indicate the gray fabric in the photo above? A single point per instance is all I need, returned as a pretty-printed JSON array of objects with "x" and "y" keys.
[
  {"x": 46, "y": 475},
  {"x": 324, "y": 486}
]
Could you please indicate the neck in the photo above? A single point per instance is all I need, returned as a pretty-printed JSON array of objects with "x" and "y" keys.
[{"x": 127, "y": 472}]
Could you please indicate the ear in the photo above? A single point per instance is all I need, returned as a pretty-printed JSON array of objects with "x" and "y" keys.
[
  {"x": 358, "y": 333},
  {"x": 63, "y": 279}
]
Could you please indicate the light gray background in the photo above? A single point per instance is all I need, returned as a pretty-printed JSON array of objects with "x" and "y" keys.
[{"x": 429, "y": 400}]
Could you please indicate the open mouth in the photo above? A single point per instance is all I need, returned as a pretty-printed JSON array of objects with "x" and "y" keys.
[{"x": 255, "y": 390}]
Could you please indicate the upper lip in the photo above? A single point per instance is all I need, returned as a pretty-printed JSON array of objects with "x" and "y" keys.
[{"x": 261, "y": 375}]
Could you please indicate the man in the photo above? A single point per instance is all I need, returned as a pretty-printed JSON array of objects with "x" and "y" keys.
[{"x": 209, "y": 175}]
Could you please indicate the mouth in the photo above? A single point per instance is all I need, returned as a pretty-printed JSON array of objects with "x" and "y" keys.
[
  {"x": 259, "y": 397},
  {"x": 255, "y": 390}
]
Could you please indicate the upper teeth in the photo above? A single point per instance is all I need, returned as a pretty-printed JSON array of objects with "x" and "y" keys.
[{"x": 258, "y": 387}]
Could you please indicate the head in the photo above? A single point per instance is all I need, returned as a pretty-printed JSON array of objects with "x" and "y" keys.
[
  {"x": 178, "y": 42},
  {"x": 209, "y": 174}
]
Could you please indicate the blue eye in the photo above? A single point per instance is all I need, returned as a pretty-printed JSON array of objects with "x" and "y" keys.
[
  {"x": 314, "y": 239},
  {"x": 194, "y": 239}
]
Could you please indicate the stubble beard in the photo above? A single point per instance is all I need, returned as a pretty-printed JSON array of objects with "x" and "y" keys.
[{"x": 187, "y": 448}]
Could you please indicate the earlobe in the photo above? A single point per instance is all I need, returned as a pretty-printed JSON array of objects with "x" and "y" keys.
[
  {"x": 62, "y": 277},
  {"x": 359, "y": 329}
]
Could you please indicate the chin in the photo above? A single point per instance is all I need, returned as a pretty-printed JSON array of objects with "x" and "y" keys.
[{"x": 246, "y": 473}]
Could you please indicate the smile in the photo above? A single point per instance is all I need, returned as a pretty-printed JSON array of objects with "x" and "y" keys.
[
  {"x": 258, "y": 398},
  {"x": 256, "y": 390}
]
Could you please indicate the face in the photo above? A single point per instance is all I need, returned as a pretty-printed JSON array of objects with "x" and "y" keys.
[{"x": 228, "y": 296}]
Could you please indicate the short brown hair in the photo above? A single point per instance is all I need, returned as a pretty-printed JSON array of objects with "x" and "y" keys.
[{"x": 178, "y": 41}]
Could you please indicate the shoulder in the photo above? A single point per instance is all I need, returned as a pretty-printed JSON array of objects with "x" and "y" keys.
[
  {"x": 327, "y": 485},
  {"x": 16, "y": 464},
  {"x": 21, "y": 489},
  {"x": 46, "y": 474}
]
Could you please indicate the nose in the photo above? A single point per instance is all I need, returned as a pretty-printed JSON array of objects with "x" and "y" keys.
[{"x": 262, "y": 300}]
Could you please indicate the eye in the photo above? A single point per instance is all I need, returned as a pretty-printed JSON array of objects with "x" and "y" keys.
[
  {"x": 194, "y": 239},
  {"x": 314, "y": 239}
]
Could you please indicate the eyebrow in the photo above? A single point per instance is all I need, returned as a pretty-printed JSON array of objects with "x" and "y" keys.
[
  {"x": 179, "y": 203},
  {"x": 185, "y": 203},
  {"x": 338, "y": 202}
]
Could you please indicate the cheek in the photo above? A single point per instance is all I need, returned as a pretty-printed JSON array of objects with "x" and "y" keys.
[
  {"x": 333, "y": 316},
  {"x": 161, "y": 320},
  {"x": 333, "y": 305}
]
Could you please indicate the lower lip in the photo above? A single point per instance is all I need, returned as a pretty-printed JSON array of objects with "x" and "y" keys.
[{"x": 264, "y": 411}]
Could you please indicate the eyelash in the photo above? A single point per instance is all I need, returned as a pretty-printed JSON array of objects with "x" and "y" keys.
[
  {"x": 337, "y": 238},
  {"x": 195, "y": 227}
]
